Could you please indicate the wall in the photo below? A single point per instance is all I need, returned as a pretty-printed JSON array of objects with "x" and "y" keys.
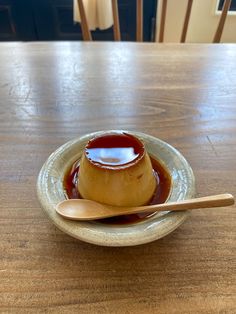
[{"x": 202, "y": 25}]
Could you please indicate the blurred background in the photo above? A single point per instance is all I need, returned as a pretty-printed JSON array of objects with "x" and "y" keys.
[{"x": 32, "y": 20}]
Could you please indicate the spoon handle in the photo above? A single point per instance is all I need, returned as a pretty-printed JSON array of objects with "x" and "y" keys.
[
  {"x": 89, "y": 210},
  {"x": 195, "y": 203}
]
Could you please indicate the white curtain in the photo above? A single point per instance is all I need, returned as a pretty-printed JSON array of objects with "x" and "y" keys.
[{"x": 98, "y": 13}]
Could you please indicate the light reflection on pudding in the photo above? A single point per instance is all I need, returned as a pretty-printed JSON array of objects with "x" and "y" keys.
[{"x": 115, "y": 169}]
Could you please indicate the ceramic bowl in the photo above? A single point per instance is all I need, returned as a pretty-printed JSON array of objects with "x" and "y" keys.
[{"x": 50, "y": 191}]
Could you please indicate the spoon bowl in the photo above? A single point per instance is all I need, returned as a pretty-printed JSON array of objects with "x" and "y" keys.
[{"x": 81, "y": 209}]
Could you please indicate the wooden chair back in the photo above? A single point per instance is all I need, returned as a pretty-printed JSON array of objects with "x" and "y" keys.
[
  {"x": 139, "y": 21},
  {"x": 219, "y": 30}
]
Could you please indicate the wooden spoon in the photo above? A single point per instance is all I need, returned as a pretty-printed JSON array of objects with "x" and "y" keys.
[{"x": 81, "y": 209}]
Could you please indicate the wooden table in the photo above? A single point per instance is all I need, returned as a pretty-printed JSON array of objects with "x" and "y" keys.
[{"x": 53, "y": 92}]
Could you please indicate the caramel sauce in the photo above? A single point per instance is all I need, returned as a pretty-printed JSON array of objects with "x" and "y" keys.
[
  {"x": 160, "y": 195},
  {"x": 114, "y": 150}
]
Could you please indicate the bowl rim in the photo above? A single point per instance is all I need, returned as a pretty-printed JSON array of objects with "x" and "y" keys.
[{"x": 50, "y": 191}]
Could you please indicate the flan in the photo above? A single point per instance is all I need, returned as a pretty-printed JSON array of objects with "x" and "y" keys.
[{"x": 115, "y": 169}]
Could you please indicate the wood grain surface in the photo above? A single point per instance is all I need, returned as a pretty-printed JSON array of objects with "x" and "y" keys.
[{"x": 53, "y": 92}]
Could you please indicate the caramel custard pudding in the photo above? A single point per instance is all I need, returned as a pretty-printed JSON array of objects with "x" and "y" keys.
[{"x": 116, "y": 170}]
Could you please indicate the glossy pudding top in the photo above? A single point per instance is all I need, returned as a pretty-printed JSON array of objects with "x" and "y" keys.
[{"x": 114, "y": 151}]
